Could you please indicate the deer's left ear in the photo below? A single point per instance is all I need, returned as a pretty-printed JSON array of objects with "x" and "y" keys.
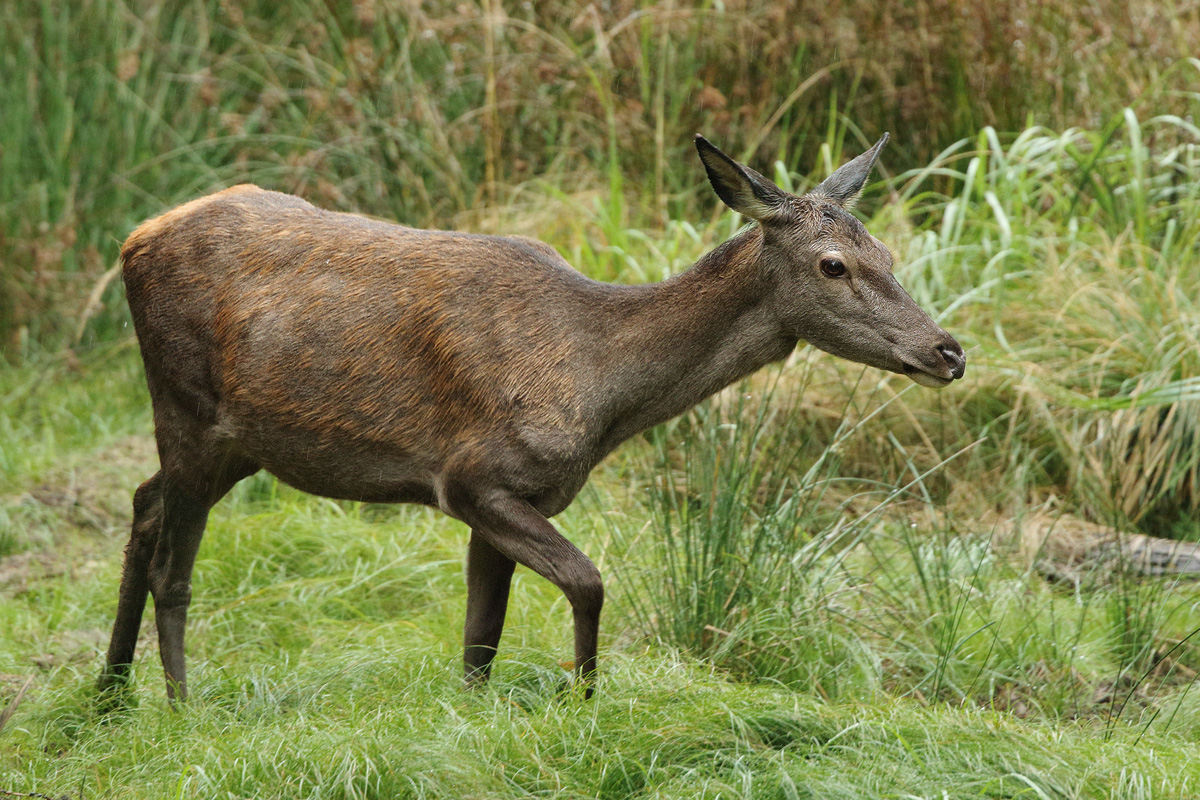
[
  {"x": 741, "y": 188},
  {"x": 846, "y": 183}
]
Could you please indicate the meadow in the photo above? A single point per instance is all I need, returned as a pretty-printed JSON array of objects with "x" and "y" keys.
[{"x": 824, "y": 582}]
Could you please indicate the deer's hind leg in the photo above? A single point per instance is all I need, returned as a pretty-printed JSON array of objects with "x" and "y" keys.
[
  {"x": 147, "y": 524},
  {"x": 170, "y": 579},
  {"x": 169, "y": 515},
  {"x": 185, "y": 506}
]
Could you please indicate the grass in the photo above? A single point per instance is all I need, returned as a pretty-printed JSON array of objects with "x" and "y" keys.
[
  {"x": 801, "y": 581},
  {"x": 439, "y": 115},
  {"x": 823, "y": 582},
  {"x": 345, "y": 738},
  {"x": 807, "y": 598}
]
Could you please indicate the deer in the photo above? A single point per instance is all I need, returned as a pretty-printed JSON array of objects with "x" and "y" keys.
[{"x": 481, "y": 375}]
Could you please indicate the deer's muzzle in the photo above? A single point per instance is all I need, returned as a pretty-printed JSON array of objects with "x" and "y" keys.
[{"x": 948, "y": 364}]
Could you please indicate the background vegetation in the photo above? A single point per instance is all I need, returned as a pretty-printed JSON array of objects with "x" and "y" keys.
[{"x": 825, "y": 582}]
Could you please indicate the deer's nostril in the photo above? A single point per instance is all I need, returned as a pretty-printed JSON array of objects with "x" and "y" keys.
[{"x": 954, "y": 358}]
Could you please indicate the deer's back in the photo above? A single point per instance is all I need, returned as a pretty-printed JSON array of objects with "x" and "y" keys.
[{"x": 321, "y": 344}]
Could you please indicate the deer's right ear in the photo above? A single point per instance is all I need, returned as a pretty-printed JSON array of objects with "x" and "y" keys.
[
  {"x": 741, "y": 188},
  {"x": 847, "y": 181}
]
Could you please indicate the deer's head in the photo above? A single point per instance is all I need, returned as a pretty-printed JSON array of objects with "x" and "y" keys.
[{"x": 832, "y": 282}]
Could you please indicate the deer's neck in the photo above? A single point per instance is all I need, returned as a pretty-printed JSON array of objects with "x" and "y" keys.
[{"x": 677, "y": 342}]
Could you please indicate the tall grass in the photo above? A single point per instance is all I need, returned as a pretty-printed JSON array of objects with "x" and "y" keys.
[
  {"x": 424, "y": 114},
  {"x": 828, "y": 531},
  {"x": 1066, "y": 263},
  {"x": 843, "y": 540},
  {"x": 749, "y": 532},
  {"x": 818, "y": 529},
  {"x": 1077, "y": 302}
]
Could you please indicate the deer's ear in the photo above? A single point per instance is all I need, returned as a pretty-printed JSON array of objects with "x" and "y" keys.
[
  {"x": 846, "y": 183},
  {"x": 741, "y": 188}
]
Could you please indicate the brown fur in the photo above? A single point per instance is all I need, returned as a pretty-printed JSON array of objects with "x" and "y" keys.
[{"x": 481, "y": 375}]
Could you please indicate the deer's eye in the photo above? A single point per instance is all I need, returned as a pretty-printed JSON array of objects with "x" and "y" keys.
[{"x": 833, "y": 267}]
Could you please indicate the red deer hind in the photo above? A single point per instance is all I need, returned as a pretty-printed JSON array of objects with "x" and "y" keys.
[{"x": 480, "y": 375}]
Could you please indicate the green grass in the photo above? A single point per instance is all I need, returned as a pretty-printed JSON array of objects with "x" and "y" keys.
[
  {"x": 814, "y": 590},
  {"x": 438, "y": 117},
  {"x": 333, "y": 729},
  {"x": 821, "y": 582}
]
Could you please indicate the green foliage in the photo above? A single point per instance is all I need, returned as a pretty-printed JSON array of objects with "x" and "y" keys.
[
  {"x": 750, "y": 525},
  {"x": 818, "y": 578},
  {"x": 325, "y": 655},
  {"x": 435, "y": 114}
]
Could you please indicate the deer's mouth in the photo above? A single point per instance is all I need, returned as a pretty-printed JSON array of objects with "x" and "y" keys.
[{"x": 924, "y": 378}]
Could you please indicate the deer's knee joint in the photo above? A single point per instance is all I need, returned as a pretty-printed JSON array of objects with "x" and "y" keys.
[{"x": 586, "y": 593}]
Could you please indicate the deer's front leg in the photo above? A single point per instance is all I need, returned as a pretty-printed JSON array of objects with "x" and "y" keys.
[
  {"x": 516, "y": 531},
  {"x": 489, "y": 575}
]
